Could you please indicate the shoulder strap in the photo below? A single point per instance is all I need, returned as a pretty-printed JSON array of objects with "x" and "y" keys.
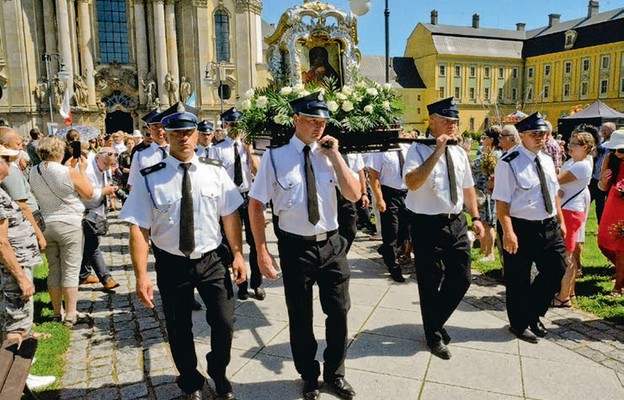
[
  {"x": 576, "y": 194},
  {"x": 46, "y": 182}
]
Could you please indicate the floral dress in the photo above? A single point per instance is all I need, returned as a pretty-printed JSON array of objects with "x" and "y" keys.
[
  {"x": 611, "y": 229},
  {"x": 483, "y": 172}
]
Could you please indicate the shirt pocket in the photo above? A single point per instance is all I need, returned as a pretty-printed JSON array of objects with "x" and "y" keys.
[
  {"x": 209, "y": 202},
  {"x": 528, "y": 179},
  {"x": 326, "y": 186},
  {"x": 165, "y": 200},
  {"x": 437, "y": 179},
  {"x": 290, "y": 190}
]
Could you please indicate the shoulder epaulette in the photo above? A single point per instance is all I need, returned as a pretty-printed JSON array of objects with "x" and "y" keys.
[
  {"x": 141, "y": 146},
  {"x": 509, "y": 157},
  {"x": 218, "y": 141},
  {"x": 157, "y": 167},
  {"x": 277, "y": 145},
  {"x": 211, "y": 161}
]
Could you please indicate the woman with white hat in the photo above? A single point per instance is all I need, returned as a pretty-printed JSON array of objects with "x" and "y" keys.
[{"x": 611, "y": 229}]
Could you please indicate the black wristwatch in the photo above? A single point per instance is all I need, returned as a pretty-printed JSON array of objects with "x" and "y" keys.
[{"x": 477, "y": 218}]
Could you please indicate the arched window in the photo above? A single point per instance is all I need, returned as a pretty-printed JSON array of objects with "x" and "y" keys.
[
  {"x": 222, "y": 34},
  {"x": 112, "y": 31}
]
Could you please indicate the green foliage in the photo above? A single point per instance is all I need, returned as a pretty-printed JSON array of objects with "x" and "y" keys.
[{"x": 359, "y": 109}]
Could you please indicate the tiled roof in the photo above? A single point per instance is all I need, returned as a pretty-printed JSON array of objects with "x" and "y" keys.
[
  {"x": 478, "y": 47},
  {"x": 402, "y": 75}
]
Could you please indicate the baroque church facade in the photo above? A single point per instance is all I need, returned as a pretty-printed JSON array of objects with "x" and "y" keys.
[{"x": 117, "y": 59}]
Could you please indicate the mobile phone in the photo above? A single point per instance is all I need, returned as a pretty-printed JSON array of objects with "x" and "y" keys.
[{"x": 76, "y": 149}]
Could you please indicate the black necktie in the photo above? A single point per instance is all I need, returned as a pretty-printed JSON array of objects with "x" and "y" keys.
[
  {"x": 451, "y": 175},
  {"x": 238, "y": 169},
  {"x": 401, "y": 162},
  {"x": 164, "y": 152},
  {"x": 313, "y": 211},
  {"x": 544, "y": 186},
  {"x": 187, "y": 223}
]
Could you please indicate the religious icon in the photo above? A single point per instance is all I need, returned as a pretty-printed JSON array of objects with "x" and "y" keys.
[{"x": 321, "y": 62}]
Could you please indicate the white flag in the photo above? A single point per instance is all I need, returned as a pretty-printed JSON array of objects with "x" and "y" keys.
[{"x": 65, "y": 110}]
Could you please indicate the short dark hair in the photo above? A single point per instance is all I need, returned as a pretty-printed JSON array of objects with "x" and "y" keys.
[{"x": 34, "y": 133}]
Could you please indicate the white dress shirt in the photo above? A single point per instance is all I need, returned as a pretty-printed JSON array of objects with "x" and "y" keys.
[
  {"x": 154, "y": 203},
  {"x": 146, "y": 158},
  {"x": 355, "y": 162},
  {"x": 387, "y": 166},
  {"x": 98, "y": 180},
  {"x": 203, "y": 151},
  {"x": 285, "y": 185},
  {"x": 434, "y": 196},
  {"x": 516, "y": 182},
  {"x": 224, "y": 152}
]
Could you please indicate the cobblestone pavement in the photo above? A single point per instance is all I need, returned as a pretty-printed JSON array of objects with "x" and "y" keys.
[{"x": 122, "y": 353}]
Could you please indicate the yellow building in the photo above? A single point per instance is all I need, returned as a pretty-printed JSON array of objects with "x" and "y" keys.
[{"x": 493, "y": 72}]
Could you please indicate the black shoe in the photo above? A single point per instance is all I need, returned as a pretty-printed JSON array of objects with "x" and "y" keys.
[
  {"x": 243, "y": 294},
  {"x": 342, "y": 388},
  {"x": 440, "y": 350},
  {"x": 196, "y": 305},
  {"x": 445, "y": 336},
  {"x": 260, "y": 293},
  {"x": 223, "y": 387},
  {"x": 538, "y": 328},
  {"x": 396, "y": 275},
  {"x": 311, "y": 390},
  {"x": 524, "y": 334},
  {"x": 196, "y": 395}
]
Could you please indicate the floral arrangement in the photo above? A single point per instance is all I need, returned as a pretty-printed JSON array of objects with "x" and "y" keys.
[
  {"x": 617, "y": 230},
  {"x": 488, "y": 163},
  {"x": 361, "y": 108}
]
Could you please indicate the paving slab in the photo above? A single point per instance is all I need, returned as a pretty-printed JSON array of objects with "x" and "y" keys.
[{"x": 123, "y": 353}]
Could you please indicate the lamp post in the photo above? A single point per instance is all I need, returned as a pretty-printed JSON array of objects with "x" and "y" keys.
[
  {"x": 218, "y": 75},
  {"x": 62, "y": 74},
  {"x": 361, "y": 7}
]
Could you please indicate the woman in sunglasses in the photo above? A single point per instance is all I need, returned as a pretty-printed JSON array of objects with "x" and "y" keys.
[{"x": 611, "y": 229}]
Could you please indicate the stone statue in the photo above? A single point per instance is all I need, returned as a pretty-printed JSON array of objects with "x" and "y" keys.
[
  {"x": 81, "y": 93},
  {"x": 185, "y": 90},
  {"x": 149, "y": 88},
  {"x": 41, "y": 91},
  {"x": 59, "y": 91},
  {"x": 101, "y": 83},
  {"x": 171, "y": 87},
  {"x": 101, "y": 108}
]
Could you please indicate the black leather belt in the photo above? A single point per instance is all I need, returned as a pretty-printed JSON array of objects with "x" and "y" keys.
[
  {"x": 442, "y": 217},
  {"x": 532, "y": 222},
  {"x": 320, "y": 237}
]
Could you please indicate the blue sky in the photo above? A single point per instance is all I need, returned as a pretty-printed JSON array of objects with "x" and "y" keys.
[{"x": 405, "y": 14}]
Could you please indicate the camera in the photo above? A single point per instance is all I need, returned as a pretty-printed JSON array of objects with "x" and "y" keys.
[{"x": 121, "y": 194}]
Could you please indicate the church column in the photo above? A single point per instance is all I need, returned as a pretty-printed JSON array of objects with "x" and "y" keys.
[
  {"x": 50, "y": 32},
  {"x": 172, "y": 41},
  {"x": 86, "y": 56},
  {"x": 64, "y": 41},
  {"x": 141, "y": 45},
  {"x": 248, "y": 47},
  {"x": 161, "y": 50}
]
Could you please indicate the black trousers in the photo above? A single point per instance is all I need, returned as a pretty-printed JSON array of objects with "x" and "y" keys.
[
  {"x": 539, "y": 242},
  {"x": 177, "y": 277},
  {"x": 442, "y": 268},
  {"x": 347, "y": 219},
  {"x": 92, "y": 259},
  {"x": 394, "y": 225},
  {"x": 255, "y": 281},
  {"x": 598, "y": 196},
  {"x": 303, "y": 264}
]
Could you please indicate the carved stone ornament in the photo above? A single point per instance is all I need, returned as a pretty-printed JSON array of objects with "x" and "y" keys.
[
  {"x": 200, "y": 3},
  {"x": 254, "y": 6},
  {"x": 303, "y": 27},
  {"x": 113, "y": 78}
]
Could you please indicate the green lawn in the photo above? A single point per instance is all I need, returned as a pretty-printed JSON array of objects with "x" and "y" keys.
[
  {"x": 592, "y": 288},
  {"x": 50, "y": 353}
]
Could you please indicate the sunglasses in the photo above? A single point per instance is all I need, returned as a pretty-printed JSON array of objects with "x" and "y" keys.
[
  {"x": 619, "y": 151},
  {"x": 108, "y": 153}
]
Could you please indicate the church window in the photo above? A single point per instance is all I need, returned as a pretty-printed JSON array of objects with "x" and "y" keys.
[
  {"x": 112, "y": 31},
  {"x": 222, "y": 34}
]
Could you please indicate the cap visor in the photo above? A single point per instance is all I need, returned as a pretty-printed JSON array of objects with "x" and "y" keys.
[
  {"x": 317, "y": 114},
  {"x": 446, "y": 117}
]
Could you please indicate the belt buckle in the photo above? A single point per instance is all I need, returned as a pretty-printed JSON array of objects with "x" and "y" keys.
[{"x": 321, "y": 236}]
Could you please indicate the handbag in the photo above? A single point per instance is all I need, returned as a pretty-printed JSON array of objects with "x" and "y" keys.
[
  {"x": 481, "y": 198},
  {"x": 94, "y": 223}
]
